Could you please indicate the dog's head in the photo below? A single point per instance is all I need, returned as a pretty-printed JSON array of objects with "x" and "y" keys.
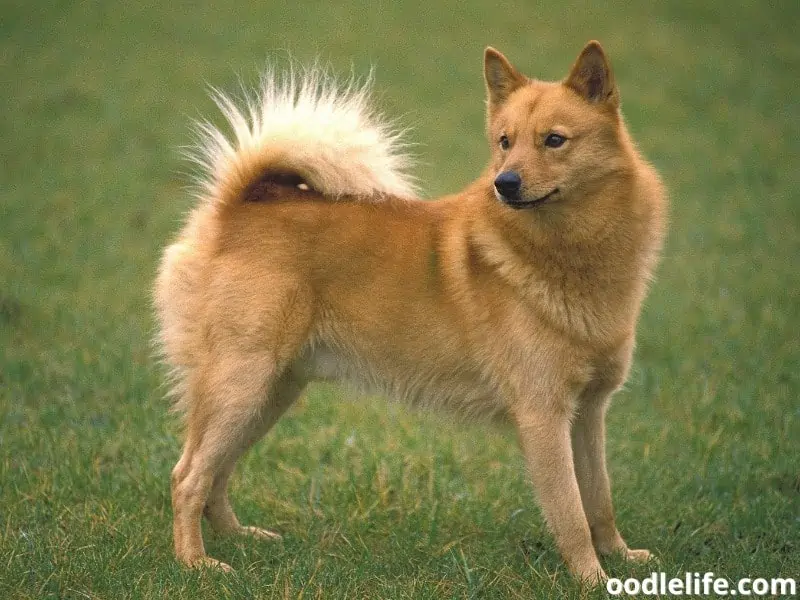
[{"x": 552, "y": 140}]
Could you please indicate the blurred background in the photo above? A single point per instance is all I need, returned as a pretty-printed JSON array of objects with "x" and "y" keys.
[{"x": 97, "y": 100}]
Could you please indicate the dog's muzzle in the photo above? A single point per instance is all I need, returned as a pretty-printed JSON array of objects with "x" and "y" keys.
[{"x": 507, "y": 187}]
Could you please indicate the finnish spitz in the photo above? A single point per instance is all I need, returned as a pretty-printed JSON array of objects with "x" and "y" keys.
[{"x": 308, "y": 256}]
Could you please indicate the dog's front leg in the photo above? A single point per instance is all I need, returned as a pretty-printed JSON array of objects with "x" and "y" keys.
[
  {"x": 545, "y": 439},
  {"x": 588, "y": 446}
]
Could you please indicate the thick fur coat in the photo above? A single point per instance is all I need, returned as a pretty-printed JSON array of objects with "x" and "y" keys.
[{"x": 308, "y": 257}]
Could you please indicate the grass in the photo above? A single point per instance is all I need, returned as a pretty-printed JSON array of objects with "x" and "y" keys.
[{"x": 375, "y": 501}]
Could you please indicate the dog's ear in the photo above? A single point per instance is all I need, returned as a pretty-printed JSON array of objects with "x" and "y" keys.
[
  {"x": 591, "y": 76},
  {"x": 501, "y": 77}
]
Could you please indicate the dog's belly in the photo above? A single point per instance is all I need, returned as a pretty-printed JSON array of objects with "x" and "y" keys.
[{"x": 452, "y": 387}]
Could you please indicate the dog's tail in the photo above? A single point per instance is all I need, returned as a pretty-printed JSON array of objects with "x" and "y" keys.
[{"x": 302, "y": 128}]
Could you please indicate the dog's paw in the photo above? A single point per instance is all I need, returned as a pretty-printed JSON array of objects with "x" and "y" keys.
[
  {"x": 639, "y": 555},
  {"x": 593, "y": 578},
  {"x": 259, "y": 533},
  {"x": 206, "y": 562}
]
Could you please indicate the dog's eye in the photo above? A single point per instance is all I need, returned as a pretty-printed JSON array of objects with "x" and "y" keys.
[
  {"x": 554, "y": 140},
  {"x": 504, "y": 143}
]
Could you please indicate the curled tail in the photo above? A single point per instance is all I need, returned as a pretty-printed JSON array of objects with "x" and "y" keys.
[{"x": 302, "y": 128}]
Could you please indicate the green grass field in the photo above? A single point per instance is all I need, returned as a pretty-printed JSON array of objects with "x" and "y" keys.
[{"x": 375, "y": 501}]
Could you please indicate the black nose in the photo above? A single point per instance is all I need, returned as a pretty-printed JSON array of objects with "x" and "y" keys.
[{"x": 508, "y": 184}]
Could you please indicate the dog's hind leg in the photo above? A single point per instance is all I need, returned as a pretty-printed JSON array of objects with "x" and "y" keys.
[
  {"x": 242, "y": 387},
  {"x": 234, "y": 400},
  {"x": 588, "y": 444},
  {"x": 230, "y": 409},
  {"x": 218, "y": 509}
]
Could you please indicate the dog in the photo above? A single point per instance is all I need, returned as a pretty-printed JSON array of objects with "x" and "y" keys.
[{"x": 308, "y": 256}]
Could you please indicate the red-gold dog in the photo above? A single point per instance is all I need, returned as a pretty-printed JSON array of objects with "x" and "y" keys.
[{"x": 308, "y": 257}]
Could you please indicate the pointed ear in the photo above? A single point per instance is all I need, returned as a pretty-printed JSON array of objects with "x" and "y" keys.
[
  {"x": 501, "y": 77},
  {"x": 591, "y": 76}
]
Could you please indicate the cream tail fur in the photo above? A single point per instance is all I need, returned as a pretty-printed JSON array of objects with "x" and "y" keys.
[{"x": 304, "y": 123}]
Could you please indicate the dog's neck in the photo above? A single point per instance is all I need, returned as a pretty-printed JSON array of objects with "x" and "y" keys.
[{"x": 563, "y": 280}]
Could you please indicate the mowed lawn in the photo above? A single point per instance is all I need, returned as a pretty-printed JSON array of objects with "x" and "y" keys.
[{"x": 374, "y": 501}]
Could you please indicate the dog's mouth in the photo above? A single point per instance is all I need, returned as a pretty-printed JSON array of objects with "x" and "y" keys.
[{"x": 520, "y": 204}]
